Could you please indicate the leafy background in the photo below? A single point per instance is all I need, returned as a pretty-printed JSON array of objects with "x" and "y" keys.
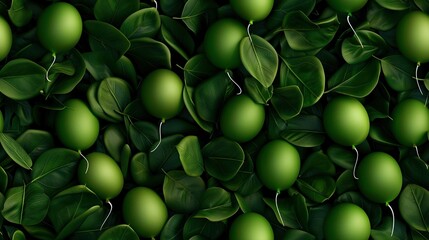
[{"x": 309, "y": 55}]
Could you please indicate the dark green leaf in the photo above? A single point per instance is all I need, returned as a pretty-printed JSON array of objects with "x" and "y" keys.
[
  {"x": 19, "y": 13},
  {"x": 317, "y": 189},
  {"x": 18, "y": 235},
  {"x": 195, "y": 14},
  {"x": 96, "y": 64},
  {"x": 15, "y": 151},
  {"x": 114, "y": 94},
  {"x": 293, "y": 211},
  {"x": 398, "y": 72},
  {"x": 125, "y": 159},
  {"x": 295, "y": 234},
  {"x": 114, "y": 139},
  {"x": 216, "y": 205},
  {"x": 257, "y": 91},
  {"x": 124, "y": 68},
  {"x": 115, "y": 11},
  {"x": 35, "y": 142},
  {"x": 143, "y": 23},
  {"x": 414, "y": 207},
  {"x": 287, "y": 101},
  {"x": 317, "y": 215},
  {"x": 40, "y": 231},
  {"x": 4, "y": 180},
  {"x": 381, "y": 18},
  {"x": 396, "y": 5},
  {"x": 281, "y": 8},
  {"x": 177, "y": 37},
  {"x": 203, "y": 228},
  {"x": 149, "y": 54},
  {"x": 172, "y": 7},
  {"x": 190, "y": 156},
  {"x": 343, "y": 157},
  {"x": 414, "y": 170},
  {"x": 353, "y": 52},
  {"x": 384, "y": 230},
  {"x": 317, "y": 164},
  {"x": 345, "y": 182},
  {"x": 119, "y": 232},
  {"x": 373, "y": 210},
  {"x": 173, "y": 228},
  {"x": 95, "y": 106},
  {"x": 251, "y": 203},
  {"x": 190, "y": 106},
  {"x": 166, "y": 156},
  {"x": 141, "y": 173},
  {"x": 143, "y": 134},
  {"x": 304, "y": 131},
  {"x": 197, "y": 69}
]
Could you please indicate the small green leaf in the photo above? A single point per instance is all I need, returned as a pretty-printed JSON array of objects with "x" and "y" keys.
[
  {"x": 287, "y": 101},
  {"x": 114, "y": 139},
  {"x": 343, "y": 157},
  {"x": 414, "y": 207},
  {"x": 18, "y": 235},
  {"x": 115, "y": 11},
  {"x": 353, "y": 52},
  {"x": 119, "y": 232},
  {"x": 19, "y": 13},
  {"x": 97, "y": 65},
  {"x": 190, "y": 106},
  {"x": 177, "y": 37},
  {"x": 293, "y": 211},
  {"x": 381, "y": 18},
  {"x": 304, "y": 131},
  {"x": 145, "y": 22},
  {"x": 201, "y": 228},
  {"x": 191, "y": 156},
  {"x": 317, "y": 189},
  {"x": 113, "y": 95},
  {"x": 143, "y": 134},
  {"x": 217, "y": 205},
  {"x": 396, "y": 5},
  {"x": 281, "y": 8},
  {"x": 149, "y": 54},
  {"x": 15, "y": 151},
  {"x": 197, "y": 69},
  {"x": 173, "y": 228},
  {"x": 141, "y": 173},
  {"x": 166, "y": 156},
  {"x": 317, "y": 164},
  {"x": 195, "y": 14},
  {"x": 398, "y": 72},
  {"x": 257, "y": 91}
]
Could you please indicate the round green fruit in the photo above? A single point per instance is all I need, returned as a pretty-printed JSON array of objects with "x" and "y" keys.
[
  {"x": 104, "y": 177},
  {"x": 252, "y": 10},
  {"x": 161, "y": 93},
  {"x": 346, "y": 121},
  {"x": 5, "y": 38},
  {"x": 76, "y": 126},
  {"x": 59, "y": 27},
  {"x": 412, "y": 36},
  {"x": 410, "y": 123},
  {"x": 144, "y": 211},
  {"x": 347, "y": 6},
  {"x": 241, "y": 118},
  {"x": 347, "y": 221},
  {"x": 380, "y": 177},
  {"x": 222, "y": 43},
  {"x": 278, "y": 164},
  {"x": 251, "y": 226}
]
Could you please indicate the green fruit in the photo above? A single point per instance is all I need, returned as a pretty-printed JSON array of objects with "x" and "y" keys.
[
  {"x": 346, "y": 121},
  {"x": 144, "y": 211},
  {"x": 5, "y": 38},
  {"x": 104, "y": 176},
  {"x": 1, "y": 122},
  {"x": 161, "y": 93},
  {"x": 251, "y": 226},
  {"x": 412, "y": 36},
  {"x": 59, "y": 27},
  {"x": 222, "y": 43},
  {"x": 410, "y": 123},
  {"x": 76, "y": 126},
  {"x": 347, "y": 221},
  {"x": 347, "y": 6},
  {"x": 278, "y": 164},
  {"x": 252, "y": 10},
  {"x": 380, "y": 177},
  {"x": 241, "y": 118}
]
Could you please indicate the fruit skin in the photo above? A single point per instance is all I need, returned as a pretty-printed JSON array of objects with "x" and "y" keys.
[
  {"x": 346, "y": 121},
  {"x": 5, "y": 38},
  {"x": 347, "y": 221},
  {"x": 252, "y": 10},
  {"x": 278, "y": 164},
  {"x": 144, "y": 211},
  {"x": 380, "y": 177},
  {"x": 412, "y": 36},
  {"x": 241, "y": 118},
  {"x": 1, "y": 122},
  {"x": 222, "y": 43},
  {"x": 76, "y": 126},
  {"x": 104, "y": 176},
  {"x": 347, "y": 6},
  {"x": 410, "y": 122},
  {"x": 161, "y": 93},
  {"x": 251, "y": 226},
  {"x": 59, "y": 27}
]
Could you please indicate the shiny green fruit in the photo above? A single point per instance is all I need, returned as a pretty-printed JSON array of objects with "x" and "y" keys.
[
  {"x": 144, "y": 211},
  {"x": 252, "y": 10},
  {"x": 346, "y": 121},
  {"x": 59, "y": 27},
  {"x": 380, "y": 177},
  {"x": 161, "y": 93},
  {"x": 104, "y": 177},
  {"x": 347, "y": 221},
  {"x": 241, "y": 118},
  {"x": 278, "y": 164},
  {"x": 222, "y": 43},
  {"x": 347, "y": 6},
  {"x": 412, "y": 36},
  {"x": 410, "y": 123},
  {"x": 5, "y": 38},
  {"x": 76, "y": 126},
  {"x": 251, "y": 226}
]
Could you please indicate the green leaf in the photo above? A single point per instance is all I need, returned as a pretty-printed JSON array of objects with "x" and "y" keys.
[
  {"x": 356, "y": 80},
  {"x": 19, "y": 13},
  {"x": 396, "y": 5},
  {"x": 177, "y": 37},
  {"x": 281, "y": 8},
  {"x": 307, "y": 73},
  {"x": 345, "y": 182},
  {"x": 21, "y": 79},
  {"x": 251, "y": 203},
  {"x": 223, "y": 158},
  {"x": 343, "y": 157},
  {"x": 40, "y": 231},
  {"x": 197, "y": 69},
  {"x": 295, "y": 234},
  {"x": 203, "y": 228},
  {"x": 115, "y": 11},
  {"x": 416, "y": 235},
  {"x": 195, "y": 14},
  {"x": 55, "y": 168},
  {"x": 317, "y": 164},
  {"x": 114, "y": 139},
  {"x": 96, "y": 64},
  {"x": 190, "y": 106},
  {"x": 4, "y": 180},
  {"x": 172, "y": 7},
  {"x": 18, "y": 235},
  {"x": 35, "y": 142},
  {"x": 124, "y": 68},
  {"x": 141, "y": 173},
  {"x": 259, "y": 58},
  {"x": 166, "y": 156},
  {"x": 119, "y": 232},
  {"x": 173, "y": 228},
  {"x": 26, "y": 205},
  {"x": 15, "y": 151},
  {"x": 182, "y": 193},
  {"x": 287, "y": 101},
  {"x": 353, "y": 52},
  {"x": 143, "y": 134},
  {"x": 149, "y": 54},
  {"x": 304, "y": 131},
  {"x": 414, "y": 170},
  {"x": 398, "y": 72},
  {"x": 384, "y": 230},
  {"x": 113, "y": 95},
  {"x": 145, "y": 22},
  {"x": 373, "y": 210},
  {"x": 318, "y": 189},
  {"x": 125, "y": 159},
  {"x": 257, "y": 91},
  {"x": 414, "y": 207},
  {"x": 293, "y": 211},
  {"x": 216, "y": 205},
  {"x": 381, "y": 18},
  {"x": 190, "y": 156}
]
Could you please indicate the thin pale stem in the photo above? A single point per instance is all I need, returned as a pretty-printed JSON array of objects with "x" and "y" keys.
[
  {"x": 356, "y": 162},
  {"x": 54, "y": 58},
  {"x": 417, "y": 78},
  {"x": 418, "y": 156},
  {"x": 277, "y": 207},
  {"x": 357, "y": 37},
  {"x": 248, "y": 31},
  {"x": 160, "y": 136},
  {"x": 86, "y": 160},
  {"x": 156, "y": 4},
  {"x": 108, "y": 215},
  {"x": 393, "y": 218},
  {"x": 236, "y": 84}
]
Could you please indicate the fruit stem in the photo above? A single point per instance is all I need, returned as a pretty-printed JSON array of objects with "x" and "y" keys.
[
  {"x": 54, "y": 56},
  {"x": 356, "y": 161},
  {"x": 108, "y": 215},
  {"x": 232, "y": 80},
  {"x": 160, "y": 135},
  {"x": 156, "y": 4},
  {"x": 418, "y": 156},
  {"x": 277, "y": 207},
  {"x": 357, "y": 37},
  {"x": 86, "y": 160},
  {"x": 417, "y": 78},
  {"x": 393, "y": 218},
  {"x": 248, "y": 30}
]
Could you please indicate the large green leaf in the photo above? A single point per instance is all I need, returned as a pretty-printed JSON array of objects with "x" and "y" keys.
[
  {"x": 259, "y": 58},
  {"x": 281, "y": 8},
  {"x": 15, "y": 151},
  {"x": 141, "y": 173},
  {"x": 190, "y": 156},
  {"x": 191, "y": 107},
  {"x": 19, "y": 13},
  {"x": 217, "y": 204},
  {"x": 35, "y": 142},
  {"x": 145, "y": 22},
  {"x": 414, "y": 207},
  {"x": 149, "y": 54},
  {"x": 353, "y": 52},
  {"x": 304, "y": 131},
  {"x": 177, "y": 37},
  {"x": 113, "y": 95},
  {"x": 173, "y": 228},
  {"x": 119, "y": 232},
  {"x": 195, "y": 14},
  {"x": 166, "y": 156},
  {"x": 197, "y": 69},
  {"x": 317, "y": 164},
  {"x": 287, "y": 101},
  {"x": 114, "y": 139},
  {"x": 293, "y": 211},
  {"x": 398, "y": 72},
  {"x": 115, "y": 11},
  {"x": 143, "y": 134},
  {"x": 257, "y": 91},
  {"x": 318, "y": 189}
]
